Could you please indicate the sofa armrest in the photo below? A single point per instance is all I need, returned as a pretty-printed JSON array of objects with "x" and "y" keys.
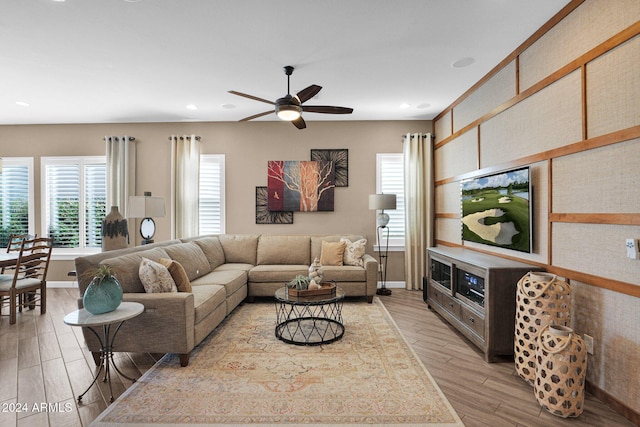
[
  {"x": 165, "y": 326},
  {"x": 371, "y": 269}
]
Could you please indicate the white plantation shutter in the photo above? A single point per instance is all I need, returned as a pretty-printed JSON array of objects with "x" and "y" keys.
[
  {"x": 95, "y": 199},
  {"x": 390, "y": 180},
  {"x": 211, "y": 198},
  {"x": 16, "y": 198},
  {"x": 74, "y": 200}
]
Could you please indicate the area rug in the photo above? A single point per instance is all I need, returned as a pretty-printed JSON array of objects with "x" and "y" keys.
[{"x": 242, "y": 374}]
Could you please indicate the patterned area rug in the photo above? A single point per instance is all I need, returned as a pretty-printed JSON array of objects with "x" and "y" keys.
[{"x": 241, "y": 374}]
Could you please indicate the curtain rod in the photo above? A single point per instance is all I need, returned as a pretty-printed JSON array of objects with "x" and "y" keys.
[
  {"x": 131, "y": 138},
  {"x": 433, "y": 136},
  {"x": 182, "y": 137}
]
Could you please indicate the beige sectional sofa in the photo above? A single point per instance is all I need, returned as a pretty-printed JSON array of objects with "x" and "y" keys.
[{"x": 223, "y": 271}]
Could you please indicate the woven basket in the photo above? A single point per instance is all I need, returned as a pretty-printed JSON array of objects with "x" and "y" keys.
[
  {"x": 541, "y": 299},
  {"x": 561, "y": 371}
]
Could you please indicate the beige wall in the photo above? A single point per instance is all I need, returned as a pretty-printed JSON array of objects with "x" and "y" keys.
[
  {"x": 576, "y": 122},
  {"x": 247, "y": 148}
]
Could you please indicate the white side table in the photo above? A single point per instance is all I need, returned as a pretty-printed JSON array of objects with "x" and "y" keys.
[{"x": 126, "y": 311}]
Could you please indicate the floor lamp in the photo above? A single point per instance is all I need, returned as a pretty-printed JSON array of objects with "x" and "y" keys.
[{"x": 381, "y": 202}]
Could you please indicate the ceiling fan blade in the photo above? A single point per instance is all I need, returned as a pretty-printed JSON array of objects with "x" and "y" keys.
[
  {"x": 326, "y": 109},
  {"x": 255, "y": 116},
  {"x": 299, "y": 123},
  {"x": 255, "y": 98},
  {"x": 308, "y": 93}
]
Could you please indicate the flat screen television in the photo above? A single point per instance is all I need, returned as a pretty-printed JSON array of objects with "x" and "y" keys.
[{"x": 496, "y": 209}]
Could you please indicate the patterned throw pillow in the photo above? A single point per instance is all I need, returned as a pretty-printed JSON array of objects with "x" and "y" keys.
[
  {"x": 178, "y": 274},
  {"x": 353, "y": 251},
  {"x": 155, "y": 277},
  {"x": 332, "y": 253}
]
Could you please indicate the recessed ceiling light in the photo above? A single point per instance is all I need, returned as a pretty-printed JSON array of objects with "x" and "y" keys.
[
  {"x": 463, "y": 62},
  {"x": 192, "y": 107},
  {"x": 22, "y": 104},
  {"x": 404, "y": 105},
  {"x": 228, "y": 106}
]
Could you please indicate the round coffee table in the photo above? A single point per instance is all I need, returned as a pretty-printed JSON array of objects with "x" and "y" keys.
[{"x": 309, "y": 320}]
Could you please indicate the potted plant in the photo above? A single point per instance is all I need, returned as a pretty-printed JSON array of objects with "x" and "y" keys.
[{"x": 104, "y": 293}]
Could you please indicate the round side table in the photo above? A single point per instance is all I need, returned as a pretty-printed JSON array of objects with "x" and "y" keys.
[{"x": 126, "y": 311}]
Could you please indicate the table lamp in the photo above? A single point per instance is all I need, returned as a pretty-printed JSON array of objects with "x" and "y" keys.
[{"x": 146, "y": 207}]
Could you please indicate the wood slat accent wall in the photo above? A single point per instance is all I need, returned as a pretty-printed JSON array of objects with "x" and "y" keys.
[{"x": 593, "y": 69}]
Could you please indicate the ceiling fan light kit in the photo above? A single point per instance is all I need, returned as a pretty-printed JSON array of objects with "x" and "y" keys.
[{"x": 289, "y": 108}]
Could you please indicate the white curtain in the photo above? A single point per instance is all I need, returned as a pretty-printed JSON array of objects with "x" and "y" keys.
[
  {"x": 185, "y": 178},
  {"x": 418, "y": 199},
  {"x": 121, "y": 171}
]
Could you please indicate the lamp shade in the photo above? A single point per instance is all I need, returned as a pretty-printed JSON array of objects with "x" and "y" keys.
[
  {"x": 145, "y": 207},
  {"x": 382, "y": 201}
]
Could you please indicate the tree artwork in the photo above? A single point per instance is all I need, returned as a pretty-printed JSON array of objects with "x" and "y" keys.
[{"x": 305, "y": 186}]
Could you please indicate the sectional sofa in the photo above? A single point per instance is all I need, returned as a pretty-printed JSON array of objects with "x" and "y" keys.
[{"x": 222, "y": 271}]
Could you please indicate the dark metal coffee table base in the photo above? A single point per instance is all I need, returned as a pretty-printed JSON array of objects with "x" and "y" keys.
[{"x": 309, "y": 321}]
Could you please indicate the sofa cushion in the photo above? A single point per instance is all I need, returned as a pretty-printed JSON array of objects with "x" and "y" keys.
[
  {"x": 332, "y": 253},
  {"x": 232, "y": 280},
  {"x": 155, "y": 277},
  {"x": 235, "y": 266},
  {"x": 345, "y": 273},
  {"x": 239, "y": 248},
  {"x": 212, "y": 249},
  {"x": 276, "y": 273},
  {"x": 191, "y": 257},
  {"x": 283, "y": 250},
  {"x": 126, "y": 268},
  {"x": 205, "y": 299},
  {"x": 354, "y": 251},
  {"x": 316, "y": 242},
  {"x": 178, "y": 274}
]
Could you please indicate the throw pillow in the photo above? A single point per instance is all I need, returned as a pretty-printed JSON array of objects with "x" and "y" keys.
[
  {"x": 332, "y": 253},
  {"x": 353, "y": 251},
  {"x": 155, "y": 277},
  {"x": 177, "y": 274}
]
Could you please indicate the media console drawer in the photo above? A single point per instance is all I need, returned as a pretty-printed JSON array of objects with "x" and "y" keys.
[
  {"x": 452, "y": 305},
  {"x": 472, "y": 320},
  {"x": 480, "y": 289}
]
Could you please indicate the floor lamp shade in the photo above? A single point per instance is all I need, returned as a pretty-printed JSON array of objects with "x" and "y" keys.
[
  {"x": 146, "y": 207},
  {"x": 381, "y": 202}
]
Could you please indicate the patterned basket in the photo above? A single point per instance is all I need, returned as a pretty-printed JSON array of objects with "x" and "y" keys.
[
  {"x": 541, "y": 299},
  {"x": 561, "y": 371}
]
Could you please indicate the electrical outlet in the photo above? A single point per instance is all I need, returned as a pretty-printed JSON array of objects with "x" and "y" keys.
[
  {"x": 632, "y": 248},
  {"x": 588, "y": 341}
]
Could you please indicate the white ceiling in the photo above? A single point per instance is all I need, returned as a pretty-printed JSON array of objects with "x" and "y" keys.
[{"x": 109, "y": 61}]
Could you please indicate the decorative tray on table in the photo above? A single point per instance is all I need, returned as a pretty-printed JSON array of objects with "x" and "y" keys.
[{"x": 326, "y": 289}]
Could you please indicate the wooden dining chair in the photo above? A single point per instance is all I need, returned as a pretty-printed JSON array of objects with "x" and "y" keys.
[
  {"x": 15, "y": 243},
  {"x": 27, "y": 287}
]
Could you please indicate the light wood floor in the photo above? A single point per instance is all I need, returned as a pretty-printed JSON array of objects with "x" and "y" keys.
[{"x": 44, "y": 361}]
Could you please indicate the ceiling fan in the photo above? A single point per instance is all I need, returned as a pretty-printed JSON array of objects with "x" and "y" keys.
[{"x": 290, "y": 108}]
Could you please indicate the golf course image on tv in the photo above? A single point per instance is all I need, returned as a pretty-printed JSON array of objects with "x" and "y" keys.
[{"x": 496, "y": 209}]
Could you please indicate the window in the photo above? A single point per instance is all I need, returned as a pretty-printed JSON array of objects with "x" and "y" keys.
[
  {"x": 74, "y": 200},
  {"x": 390, "y": 180},
  {"x": 16, "y": 198},
  {"x": 211, "y": 199}
]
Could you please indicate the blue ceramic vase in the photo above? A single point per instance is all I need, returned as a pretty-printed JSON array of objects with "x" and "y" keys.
[{"x": 102, "y": 296}]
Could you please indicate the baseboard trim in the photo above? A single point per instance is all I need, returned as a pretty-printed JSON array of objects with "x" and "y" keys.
[
  {"x": 396, "y": 285},
  {"x": 62, "y": 284},
  {"x": 614, "y": 403}
]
